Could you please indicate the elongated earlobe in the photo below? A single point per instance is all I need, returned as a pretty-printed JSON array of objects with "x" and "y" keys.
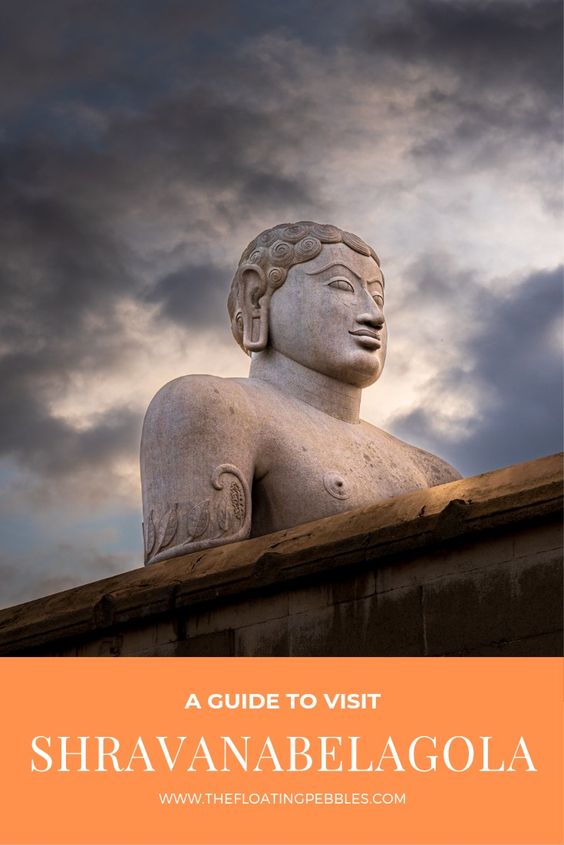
[{"x": 255, "y": 301}]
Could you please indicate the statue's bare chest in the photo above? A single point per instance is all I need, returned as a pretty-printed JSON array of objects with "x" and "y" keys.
[{"x": 323, "y": 467}]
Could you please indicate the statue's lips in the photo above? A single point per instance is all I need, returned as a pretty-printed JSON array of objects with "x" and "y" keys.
[{"x": 368, "y": 338}]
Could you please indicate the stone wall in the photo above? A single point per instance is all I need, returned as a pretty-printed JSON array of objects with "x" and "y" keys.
[{"x": 469, "y": 568}]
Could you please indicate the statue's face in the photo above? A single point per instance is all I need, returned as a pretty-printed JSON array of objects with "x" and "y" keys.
[{"x": 328, "y": 316}]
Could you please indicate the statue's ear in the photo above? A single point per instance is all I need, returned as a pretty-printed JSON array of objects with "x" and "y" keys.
[{"x": 254, "y": 298}]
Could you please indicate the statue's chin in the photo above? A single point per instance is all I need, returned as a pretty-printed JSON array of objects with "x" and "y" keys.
[
  {"x": 359, "y": 377},
  {"x": 363, "y": 380},
  {"x": 361, "y": 372}
]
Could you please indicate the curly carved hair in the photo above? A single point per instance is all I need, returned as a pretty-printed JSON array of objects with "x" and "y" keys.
[{"x": 278, "y": 249}]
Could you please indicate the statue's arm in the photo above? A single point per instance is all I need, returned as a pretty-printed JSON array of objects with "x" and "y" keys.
[{"x": 197, "y": 463}]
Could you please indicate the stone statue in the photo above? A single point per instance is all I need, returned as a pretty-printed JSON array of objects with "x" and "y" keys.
[{"x": 227, "y": 459}]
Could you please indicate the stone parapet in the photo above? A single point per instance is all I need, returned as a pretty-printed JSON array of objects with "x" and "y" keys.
[{"x": 473, "y": 567}]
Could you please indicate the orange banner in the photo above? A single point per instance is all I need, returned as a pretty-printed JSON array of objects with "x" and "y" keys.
[{"x": 353, "y": 750}]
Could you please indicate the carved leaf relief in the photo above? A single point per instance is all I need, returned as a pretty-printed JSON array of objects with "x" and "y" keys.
[
  {"x": 207, "y": 523},
  {"x": 222, "y": 519},
  {"x": 150, "y": 535},
  {"x": 198, "y": 519},
  {"x": 169, "y": 527}
]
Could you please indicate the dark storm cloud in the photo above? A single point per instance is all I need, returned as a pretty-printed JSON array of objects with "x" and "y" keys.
[
  {"x": 61, "y": 267},
  {"x": 487, "y": 43},
  {"x": 192, "y": 296},
  {"x": 514, "y": 361},
  {"x": 45, "y": 443},
  {"x": 111, "y": 54},
  {"x": 203, "y": 139},
  {"x": 495, "y": 75},
  {"x": 61, "y": 258}
]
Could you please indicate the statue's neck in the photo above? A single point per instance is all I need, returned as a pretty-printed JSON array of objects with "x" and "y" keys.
[{"x": 333, "y": 397}]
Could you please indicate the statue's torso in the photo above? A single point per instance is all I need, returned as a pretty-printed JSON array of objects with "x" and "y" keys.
[{"x": 311, "y": 465}]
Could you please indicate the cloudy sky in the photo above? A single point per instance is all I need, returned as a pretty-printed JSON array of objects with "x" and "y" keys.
[{"x": 143, "y": 144}]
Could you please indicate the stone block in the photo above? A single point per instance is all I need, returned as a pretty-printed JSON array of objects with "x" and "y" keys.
[
  {"x": 265, "y": 639},
  {"x": 496, "y": 604},
  {"x": 348, "y": 587},
  {"x": 166, "y": 631},
  {"x": 380, "y": 625},
  {"x": 445, "y": 559},
  {"x": 138, "y": 639},
  {"x": 102, "y": 647},
  {"x": 238, "y": 614},
  {"x": 539, "y": 538},
  {"x": 542, "y": 645},
  {"x": 214, "y": 644},
  {"x": 311, "y": 597},
  {"x": 537, "y": 599}
]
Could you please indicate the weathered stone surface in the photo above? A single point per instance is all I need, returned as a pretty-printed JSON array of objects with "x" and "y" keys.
[
  {"x": 543, "y": 645},
  {"x": 385, "y": 624},
  {"x": 389, "y": 579},
  {"x": 493, "y": 605},
  {"x": 227, "y": 459},
  {"x": 270, "y": 638}
]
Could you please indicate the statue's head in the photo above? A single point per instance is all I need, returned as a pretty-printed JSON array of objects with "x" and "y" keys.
[{"x": 315, "y": 293}]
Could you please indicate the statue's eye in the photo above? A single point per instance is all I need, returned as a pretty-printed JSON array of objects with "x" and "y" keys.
[
  {"x": 341, "y": 284},
  {"x": 378, "y": 299}
]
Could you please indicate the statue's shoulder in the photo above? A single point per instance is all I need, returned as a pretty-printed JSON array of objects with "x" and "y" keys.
[
  {"x": 435, "y": 470},
  {"x": 191, "y": 400}
]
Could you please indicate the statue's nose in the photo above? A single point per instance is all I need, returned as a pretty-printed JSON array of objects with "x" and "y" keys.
[{"x": 372, "y": 315}]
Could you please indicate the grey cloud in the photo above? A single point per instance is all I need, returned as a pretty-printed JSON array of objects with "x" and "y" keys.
[
  {"x": 68, "y": 566},
  {"x": 62, "y": 267},
  {"x": 488, "y": 82},
  {"x": 486, "y": 42},
  {"x": 203, "y": 139},
  {"x": 193, "y": 295},
  {"x": 513, "y": 361},
  {"x": 47, "y": 444},
  {"x": 110, "y": 55}
]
